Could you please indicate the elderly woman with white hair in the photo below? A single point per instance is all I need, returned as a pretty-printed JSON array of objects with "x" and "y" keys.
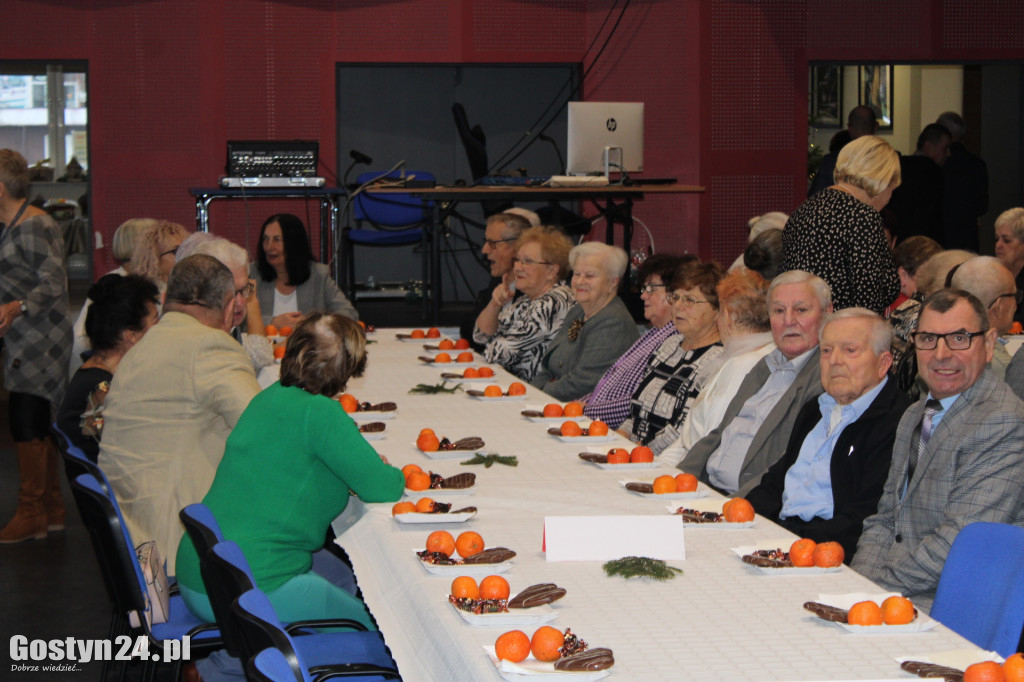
[
  {"x": 1010, "y": 248},
  {"x": 596, "y": 331}
]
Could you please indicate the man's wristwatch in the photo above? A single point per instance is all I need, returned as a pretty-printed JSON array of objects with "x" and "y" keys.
[{"x": 24, "y": 308}]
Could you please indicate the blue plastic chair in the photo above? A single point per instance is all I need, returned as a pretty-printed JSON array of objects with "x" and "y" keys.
[
  {"x": 349, "y": 654},
  {"x": 270, "y": 665},
  {"x": 981, "y": 590},
  {"x": 397, "y": 219},
  {"x": 75, "y": 461},
  {"x": 125, "y": 582}
]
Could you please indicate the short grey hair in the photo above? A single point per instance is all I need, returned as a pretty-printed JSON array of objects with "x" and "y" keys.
[
  {"x": 531, "y": 216},
  {"x": 612, "y": 259},
  {"x": 200, "y": 280},
  {"x": 123, "y": 242},
  {"x": 984, "y": 276},
  {"x": 228, "y": 253},
  {"x": 1013, "y": 218},
  {"x": 821, "y": 289},
  {"x": 954, "y": 123},
  {"x": 880, "y": 332},
  {"x": 514, "y": 224},
  {"x": 931, "y": 275}
]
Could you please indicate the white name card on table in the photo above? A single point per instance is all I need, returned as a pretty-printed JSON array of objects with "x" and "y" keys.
[{"x": 602, "y": 538}]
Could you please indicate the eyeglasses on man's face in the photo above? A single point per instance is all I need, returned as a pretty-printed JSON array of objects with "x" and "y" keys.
[
  {"x": 651, "y": 288},
  {"x": 1016, "y": 296},
  {"x": 246, "y": 291},
  {"x": 529, "y": 261},
  {"x": 491, "y": 243},
  {"x": 954, "y": 340},
  {"x": 684, "y": 299}
]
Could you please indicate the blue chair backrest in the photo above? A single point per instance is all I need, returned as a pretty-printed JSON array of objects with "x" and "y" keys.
[
  {"x": 202, "y": 528},
  {"x": 76, "y": 462},
  {"x": 392, "y": 210},
  {"x": 981, "y": 591},
  {"x": 270, "y": 665}
]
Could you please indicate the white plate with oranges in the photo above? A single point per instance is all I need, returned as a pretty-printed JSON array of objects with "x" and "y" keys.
[
  {"x": 616, "y": 463},
  {"x": 689, "y": 492}
]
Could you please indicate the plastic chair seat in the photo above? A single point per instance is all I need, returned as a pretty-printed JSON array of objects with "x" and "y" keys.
[{"x": 323, "y": 648}]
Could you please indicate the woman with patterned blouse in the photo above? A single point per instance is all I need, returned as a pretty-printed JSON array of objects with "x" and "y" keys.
[
  {"x": 516, "y": 331},
  {"x": 838, "y": 235},
  {"x": 682, "y": 364}
]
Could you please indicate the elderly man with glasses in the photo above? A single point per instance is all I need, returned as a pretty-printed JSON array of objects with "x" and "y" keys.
[
  {"x": 958, "y": 456},
  {"x": 992, "y": 283}
]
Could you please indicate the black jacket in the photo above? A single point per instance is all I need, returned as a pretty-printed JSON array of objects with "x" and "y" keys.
[{"x": 858, "y": 474}]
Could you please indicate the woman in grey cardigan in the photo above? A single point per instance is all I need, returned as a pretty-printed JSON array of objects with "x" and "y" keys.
[
  {"x": 289, "y": 283},
  {"x": 597, "y": 330}
]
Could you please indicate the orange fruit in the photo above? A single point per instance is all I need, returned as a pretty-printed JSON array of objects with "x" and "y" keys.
[
  {"x": 441, "y": 541},
  {"x": 492, "y": 392},
  {"x": 571, "y": 429},
  {"x": 1013, "y": 668},
  {"x": 640, "y": 454},
  {"x": 462, "y": 344},
  {"x": 828, "y": 554},
  {"x": 897, "y": 610},
  {"x": 286, "y": 331},
  {"x": 516, "y": 388},
  {"x": 552, "y": 410},
  {"x": 411, "y": 469},
  {"x": 433, "y": 333},
  {"x": 618, "y": 456},
  {"x": 468, "y": 544},
  {"x": 446, "y": 344},
  {"x": 271, "y": 330},
  {"x": 279, "y": 351},
  {"x": 403, "y": 508},
  {"x": 464, "y": 357},
  {"x": 442, "y": 357},
  {"x": 986, "y": 671},
  {"x": 464, "y": 587},
  {"x": 546, "y": 642},
  {"x": 664, "y": 485},
  {"x": 418, "y": 480},
  {"x": 686, "y": 483},
  {"x": 428, "y": 442},
  {"x": 573, "y": 409},
  {"x": 597, "y": 428},
  {"x": 801, "y": 552},
  {"x": 361, "y": 324},
  {"x": 427, "y": 430},
  {"x": 424, "y": 505},
  {"x": 417, "y": 334},
  {"x": 349, "y": 402},
  {"x": 486, "y": 372},
  {"x": 865, "y": 613},
  {"x": 512, "y": 646},
  {"x": 494, "y": 587},
  {"x": 740, "y": 511},
  {"x": 1016, "y": 328},
  {"x": 471, "y": 373}
]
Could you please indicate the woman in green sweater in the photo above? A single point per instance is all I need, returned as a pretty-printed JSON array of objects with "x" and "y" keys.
[{"x": 287, "y": 470}]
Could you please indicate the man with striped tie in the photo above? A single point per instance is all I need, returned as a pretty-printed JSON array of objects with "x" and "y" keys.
[{"x": 958, "y": 456}]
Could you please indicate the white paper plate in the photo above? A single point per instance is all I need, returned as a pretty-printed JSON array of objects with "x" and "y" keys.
[
  {"x": 538, "y": 615},
  {"x": 470, "y": 380},
  {"x": 701, "y": 491},
  {"x": 376, "y": 435},
  {"x": 626, "y": 466},
  {"x": 416, "y": 517},
  {"x": 954, "y": 658},
  {"x": 532, "y": 669},
  {"x": 708, "y": 504},
  {"x": 372, "y": 416},
  {"x": 922, "y": 624},
  {"x": 499, "y": 399},
  {"x": 404, "y": 338},
  {"x": 446, "y": 365},
  {"x": 586, "y": 440},
  {"x": 452, "y": 454},
  {"x": 430, "y": 492},
  {"x": 456, "y": 570},
  {"x": 558, "y": 420}
]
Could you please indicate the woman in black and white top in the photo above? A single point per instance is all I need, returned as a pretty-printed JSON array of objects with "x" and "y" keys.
[{"x": 516, "y": 331}]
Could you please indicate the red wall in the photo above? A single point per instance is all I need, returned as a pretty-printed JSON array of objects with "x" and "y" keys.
[{"x": 724, "y": 82}]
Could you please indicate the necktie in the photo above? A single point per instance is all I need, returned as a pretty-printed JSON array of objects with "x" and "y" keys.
[{"x": 931, "y": 408}]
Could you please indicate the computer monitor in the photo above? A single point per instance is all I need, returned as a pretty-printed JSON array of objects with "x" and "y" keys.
[{"x": 604, "y": 136}]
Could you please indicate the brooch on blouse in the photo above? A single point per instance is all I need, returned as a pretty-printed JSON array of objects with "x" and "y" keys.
[{"x": 574, "y": 329}]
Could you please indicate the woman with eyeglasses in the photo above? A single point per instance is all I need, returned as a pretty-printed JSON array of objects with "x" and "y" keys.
[
  {"x": 596, "y": 331},
  {"x": 609, "y": 400},
  {"x": 154, "y": 254},
  {"x": 516, "y": 331},
  {"x": 678, "y": 370},
  {"x": 289, "y": 283},
  {"x": 1010, "y": 248}
]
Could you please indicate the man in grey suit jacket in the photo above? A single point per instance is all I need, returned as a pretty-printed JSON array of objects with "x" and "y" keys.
[
  {"x": 958, "y": 456},
  {"x": 755, "y": 430}
]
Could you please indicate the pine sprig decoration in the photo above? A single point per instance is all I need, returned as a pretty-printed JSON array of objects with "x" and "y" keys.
[
  {"x": 431, "y": 389},
  {"x": 493, "y": 458},
  {"x": 641, "y": 567}
]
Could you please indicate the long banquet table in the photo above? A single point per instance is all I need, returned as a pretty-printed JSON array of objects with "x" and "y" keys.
[{"x": 719, "y": 621}]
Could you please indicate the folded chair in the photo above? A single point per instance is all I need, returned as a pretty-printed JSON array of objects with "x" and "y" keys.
[
  {"x": 126, "y": 584},
  {"x": 981, "y": 590}
]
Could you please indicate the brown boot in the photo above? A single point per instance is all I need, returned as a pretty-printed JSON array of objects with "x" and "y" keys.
[
  {"x": 30, "y": 518},
  {"x": 53, "y": 500}
]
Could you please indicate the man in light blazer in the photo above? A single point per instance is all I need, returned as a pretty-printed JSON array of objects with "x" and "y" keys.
[
  {"x": 755, "y": 429},
  {"x": 958, "y": 456}
]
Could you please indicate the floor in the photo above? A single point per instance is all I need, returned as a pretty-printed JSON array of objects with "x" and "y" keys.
[{"x": 52, "y": 588}]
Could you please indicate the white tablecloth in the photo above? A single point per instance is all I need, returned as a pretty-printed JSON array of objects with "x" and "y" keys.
[{"x": 719, "y": 621}]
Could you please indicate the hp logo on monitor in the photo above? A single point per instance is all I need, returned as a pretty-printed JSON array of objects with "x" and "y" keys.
[{"x": 611, "y": 124}]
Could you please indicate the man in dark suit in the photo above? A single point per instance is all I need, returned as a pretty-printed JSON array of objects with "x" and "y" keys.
[
  {"x": 917, "y": 202},
  {"x": 859, "y": 123},
  {"x": 835, "y": 466},
  {"x": 965, "y": 195},
  {"x": 756, "y": 426},
  {"x": 958, "y": 456}
]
